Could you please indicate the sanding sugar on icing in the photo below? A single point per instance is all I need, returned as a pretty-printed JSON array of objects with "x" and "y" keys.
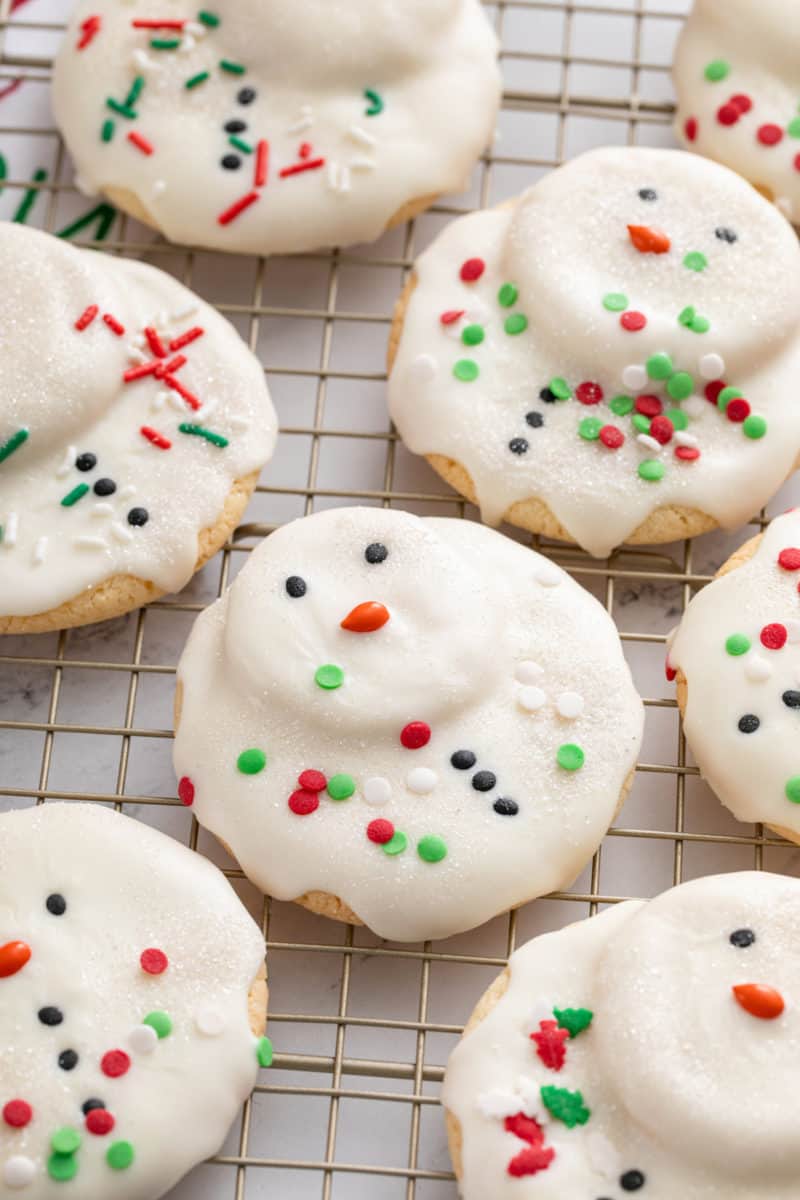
[
  {"x": 373, "y": 733},
  {"x": 639, "y": 353}
]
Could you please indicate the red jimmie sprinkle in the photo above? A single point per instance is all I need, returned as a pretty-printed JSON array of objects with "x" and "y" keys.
[
  {"x": 728, "y": 114},
  {"x": 649, "y": 406},
  {"x": 415, "y": 735},
  {"x": 312, "y": 781},
  {"x": 86, "y": 318},
  {"x": 712, "y": 390},
  {"x": 612, "y": 437},
  {"x": 186, "y": 791},
  {"x": 153, "y": 961},
  {"x": 451, "y": 316},
  {"x": 589, "y": 393},
  {"x": 147, "y": 23},
  {"x": 313, "y": 164},
  {"x": 550, "y": 1048},
  {"x": 633, "y": 321},
  {"x": 742, "y": 102},
  {"x": 141, "y": 143},
  {"x": 17, "y": 1113},
  {"x": 184, "y": 339},
  {"x": 687, "y": 453},
  {"x": 115, "y": 1063},
  {"x": 230, "y": 214},
  {"x": 662, "y": 429},
  {"x": 99, "y": 1122},
  {"x": 10, "y": 88},
  {"x": 89, "y": 31},
  {"x": 305, "y": 150},
  {"x": 774, "y": 636},
  {"x": 262, "y": 164},
  {"x": 156, "y": 438},
  {"x": 114, "y": 325},
  {"x": 302, "y": 802},
  {"x": 169, "y": 368},
  {"x": 789, "y": 559},
  {"x": 690, "y": 129},
  {"x": 472, "y": 269},
  {"x": 670, "y": 672},
  {"x": 154, "y": 342},
  {"x": 737, "y": 410},
  {"x": 770, "y": 135},
  {"x": 139, "y": 372},
  {"x": 178, "y": 387},
  {"x": 380, "y": 831}
]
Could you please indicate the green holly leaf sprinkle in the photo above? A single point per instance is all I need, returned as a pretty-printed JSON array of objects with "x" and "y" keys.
[
  {"x": 565, "y": 1106},
  {"x": 575, "y": 1020}
]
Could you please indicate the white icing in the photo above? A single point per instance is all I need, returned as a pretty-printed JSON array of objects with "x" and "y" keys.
[
  {"x": 66, "y": 388},
  {"x": 565, "y": 245},
  {"x": 432, "y": 63},
  {"x": 759, "y": 43},
  {"x": 683, "y": 1084},
  {"x": 465, "y": 612},
  {"x": 127, "y": 888},
  {"x": 748, "y": 771}
]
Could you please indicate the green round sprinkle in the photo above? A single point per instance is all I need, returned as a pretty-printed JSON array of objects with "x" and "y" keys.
[
  {"x": 65, "y": 1141},
  {"x": 397, "y": 845},
  {"x": 570, "y": 757},
  {"x": 516, "y": 323},
  {"x": 652, "y": 470},
  {"x": 680, "y": 386},
  {"x": 560, "y": 388},
  {"x": 793, "y": 789},
  {"x": 473, "y": 335},
  {"x": 754, "y": 427},
  {"x": 736, "y": 644},
  {"x": 615, "y": 301},
  {"x": 678, "y": 417},
  {"x": 341, "y": 787},
  {"x": 717, "y": 70},
  {"x": 329, "y": 676},
  {"x": 727, "y": 394},
  {"x": 120, "y": 1155},
  {"x": 431, "y": 848},
  {"x": 250, "y": 762},
  {"x": 700, "y": 325},
  {"x": 793, "y": 128},
  {"x": 264, "y": 1052},
  {"x": 589, "y": 428},
  {"x": 466, "y": 370},
  {"x": 695, "y": 261},
  {"x": 686, "y": 316},
  {"x": 62, "y": 1167},
  {"x": 659, "y": 366},
  {"x": 640, "y": 423},
  {"x": 507, "y": 296},
  {"x": 621, "y": 405},
  {"x": 160, "y": 1022}
]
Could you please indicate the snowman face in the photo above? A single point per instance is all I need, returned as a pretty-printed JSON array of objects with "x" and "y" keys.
[
  {"x": 360, "y": 621},
  {"x": 685, "y": 243},
  {"x": 700, "y": 1030}
]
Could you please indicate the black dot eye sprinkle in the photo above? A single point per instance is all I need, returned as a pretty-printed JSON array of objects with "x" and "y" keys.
[
  {"x": 50, "y": 1015},
  {"x": 518, "y": 446},
  {"x": 231, "y": 162},
  {"x": 105, "y": 487},
  {"x": 56, "y": 904},
  {"x": 742, "y": 938},
  {"x": 376, "y": 552},
  {"x": 791, "y": 699},
  {"x": 726, "y": 235},
  {"x": 748, "y": 723},
  {"x": 505, "y": 807},
  {"x": 484, "y": 781},
  {"x": 235, "y": 126},
  {"x": 462, "y": 760},
  {"x": 246, "y": 95},
  {"x": 138, "y": 516},
  {"x": 296, "y": 587},
  {"x": 547, "y": 395},
  {"x": 68, "y": 1060},
  {"x": 86, "y": 462},
  {"x": 91, "y": 1104},
  {"x": 649, "y": 194},
  {"x": 534, "y": 419},
  {"x": 631, "y": 1181}
]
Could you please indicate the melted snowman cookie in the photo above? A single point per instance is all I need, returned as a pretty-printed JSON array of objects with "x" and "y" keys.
[
  {"x": 132, "y": 425},
  {"x": 737, "y": 652},
  {"x": 611, "y": 357},
  {"x": 651, "y": 1050},
  {"x": 738, "y": 89},
  {"x": 132, "y": 1004},
  {"x": 271, "y": 126},
  {"x": 418, "y": 718}
]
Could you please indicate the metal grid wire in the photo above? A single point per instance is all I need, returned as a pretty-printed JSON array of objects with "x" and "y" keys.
[{"x": 362, "y": 1028}]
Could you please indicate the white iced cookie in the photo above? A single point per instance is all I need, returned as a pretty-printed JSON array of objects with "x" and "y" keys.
[
  {"x": 133, "y": 423},
  {"x": 651, "y": 1050},
  {"x": 613, "y": 356},
  {"x": 418, "y": 721},
  {"x": 271, "y": 126},
  {"x": 132, "y": 1004},
  {"x": 736, "y": 78},
  {"x": 737, "y": 653}
]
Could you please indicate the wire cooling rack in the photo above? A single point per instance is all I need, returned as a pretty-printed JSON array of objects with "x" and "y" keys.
[{"x": 361, "y": 1028}]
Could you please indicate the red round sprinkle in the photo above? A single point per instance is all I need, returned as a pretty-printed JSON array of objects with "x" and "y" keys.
[
  {"x": 99, "y": 1122},
  {"x": 737, "y": 410},
  {"x": 302, "y": 803},
  {"x": 669, "y": 671},
  {"x": 313, "y": 781},
  {"x": 797, "y": 162},
  {"x": 649, "y": 406},
  {"x": 17, "y": 1113},
  {"x": 612, "y": 437},
  {"x": 633, "y": 321},
  {"x": 154, "y": 962},
  {"x": 451, "y": 316},
  {"x": 690, "y": 129},
  {"x": 713, "y": 389},
  {"x": 728, "y": 114},
  {"x": 472, "y": 269},
  {"x": 774, "y": 636},
  {"x": 589, "y": 393},
  {"x": 687, "y": 453},
  {"x": 380, "y": 831},
  {"x": 742, "y": 102},
  {"x": 415, "y": 735},
  {"x": 662, "y": 429},
  {"x": 789, "y": 559},
  {"x": 185, "y": 794},
  {"x": 770, "y": 135},
  {"x": 115, "y": 1063}
]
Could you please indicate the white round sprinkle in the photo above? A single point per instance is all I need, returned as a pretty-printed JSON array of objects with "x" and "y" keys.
[
  {"x": 531, "y": 698},
  {"x": 421, "y": 780},
  {"x": 792, "y": 631},
  {"x": 756, "y": 668},
  {"x": 695, "y": 406},
  {"x": 143, "y": 1039},
  {"x": 423, "y": 367},
  {"x": 569, "y": 705},
  {"x": 548, "y": 575},
  {"x": 18, "y": 1171},
  {"x": 685, "y": 439},
  {"x": 528, "y": 671},
  {"x": 712, "y": 366},
  {"x": 209, "y": 1021},
  {"x": 377, "y": 790},
  {"x": 634, "y": 377},
  {"x": 650, "y": 443}
]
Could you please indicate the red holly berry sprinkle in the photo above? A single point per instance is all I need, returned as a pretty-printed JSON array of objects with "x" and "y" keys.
[
  {"x": 154, "y": 962},
  {"x": 687, "y": 453},
  {"x": 797, "y": 162},
  {"x": 612, "y": 437},
  {"x": 662, "y": 429},
  {"x": 713, "y": 389},
  {"x": 17, "y": 1113},
  {"x": 774, "y": 636},
  {"x": 769, "y": 135},
  {"x": 531, "y": 1160},
  {"x": 99, "y": 1122},
  {"x": 742, "y": 102},
  {"x": 589, "y": 393},
  {"x": 186, "y": 791},
  {"x": 380, "y": 831},
  {"x": 415, "y": 735},
  {"x": 690, "y": 129},
  {"x": 525, "y": 1128},
  {"x": 738, "y": 409},
  {"x": 670, "y": 672},
  {"x": 633, "y": 321},
  {"x": 728, "y": 114},
  {"x": 451, "y": 316},
  {"x": 649, "y": 406},
  {"x": 789, "y": 559},
  {"x": 302, "y": 803},
  {"x": 115, "y": 1063},
  {"x": 550, "y": 1039},
  {"x": 472, "y": 269},
  {"x": 313, "y": 781}
]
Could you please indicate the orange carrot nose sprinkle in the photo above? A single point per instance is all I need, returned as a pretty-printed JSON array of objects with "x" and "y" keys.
[
  {"x": 366, "y": 617},
  {"x": 13, "y": 957},
  {"x": 647, "y": 240},
  {"x": 759, "y": 1000}
]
